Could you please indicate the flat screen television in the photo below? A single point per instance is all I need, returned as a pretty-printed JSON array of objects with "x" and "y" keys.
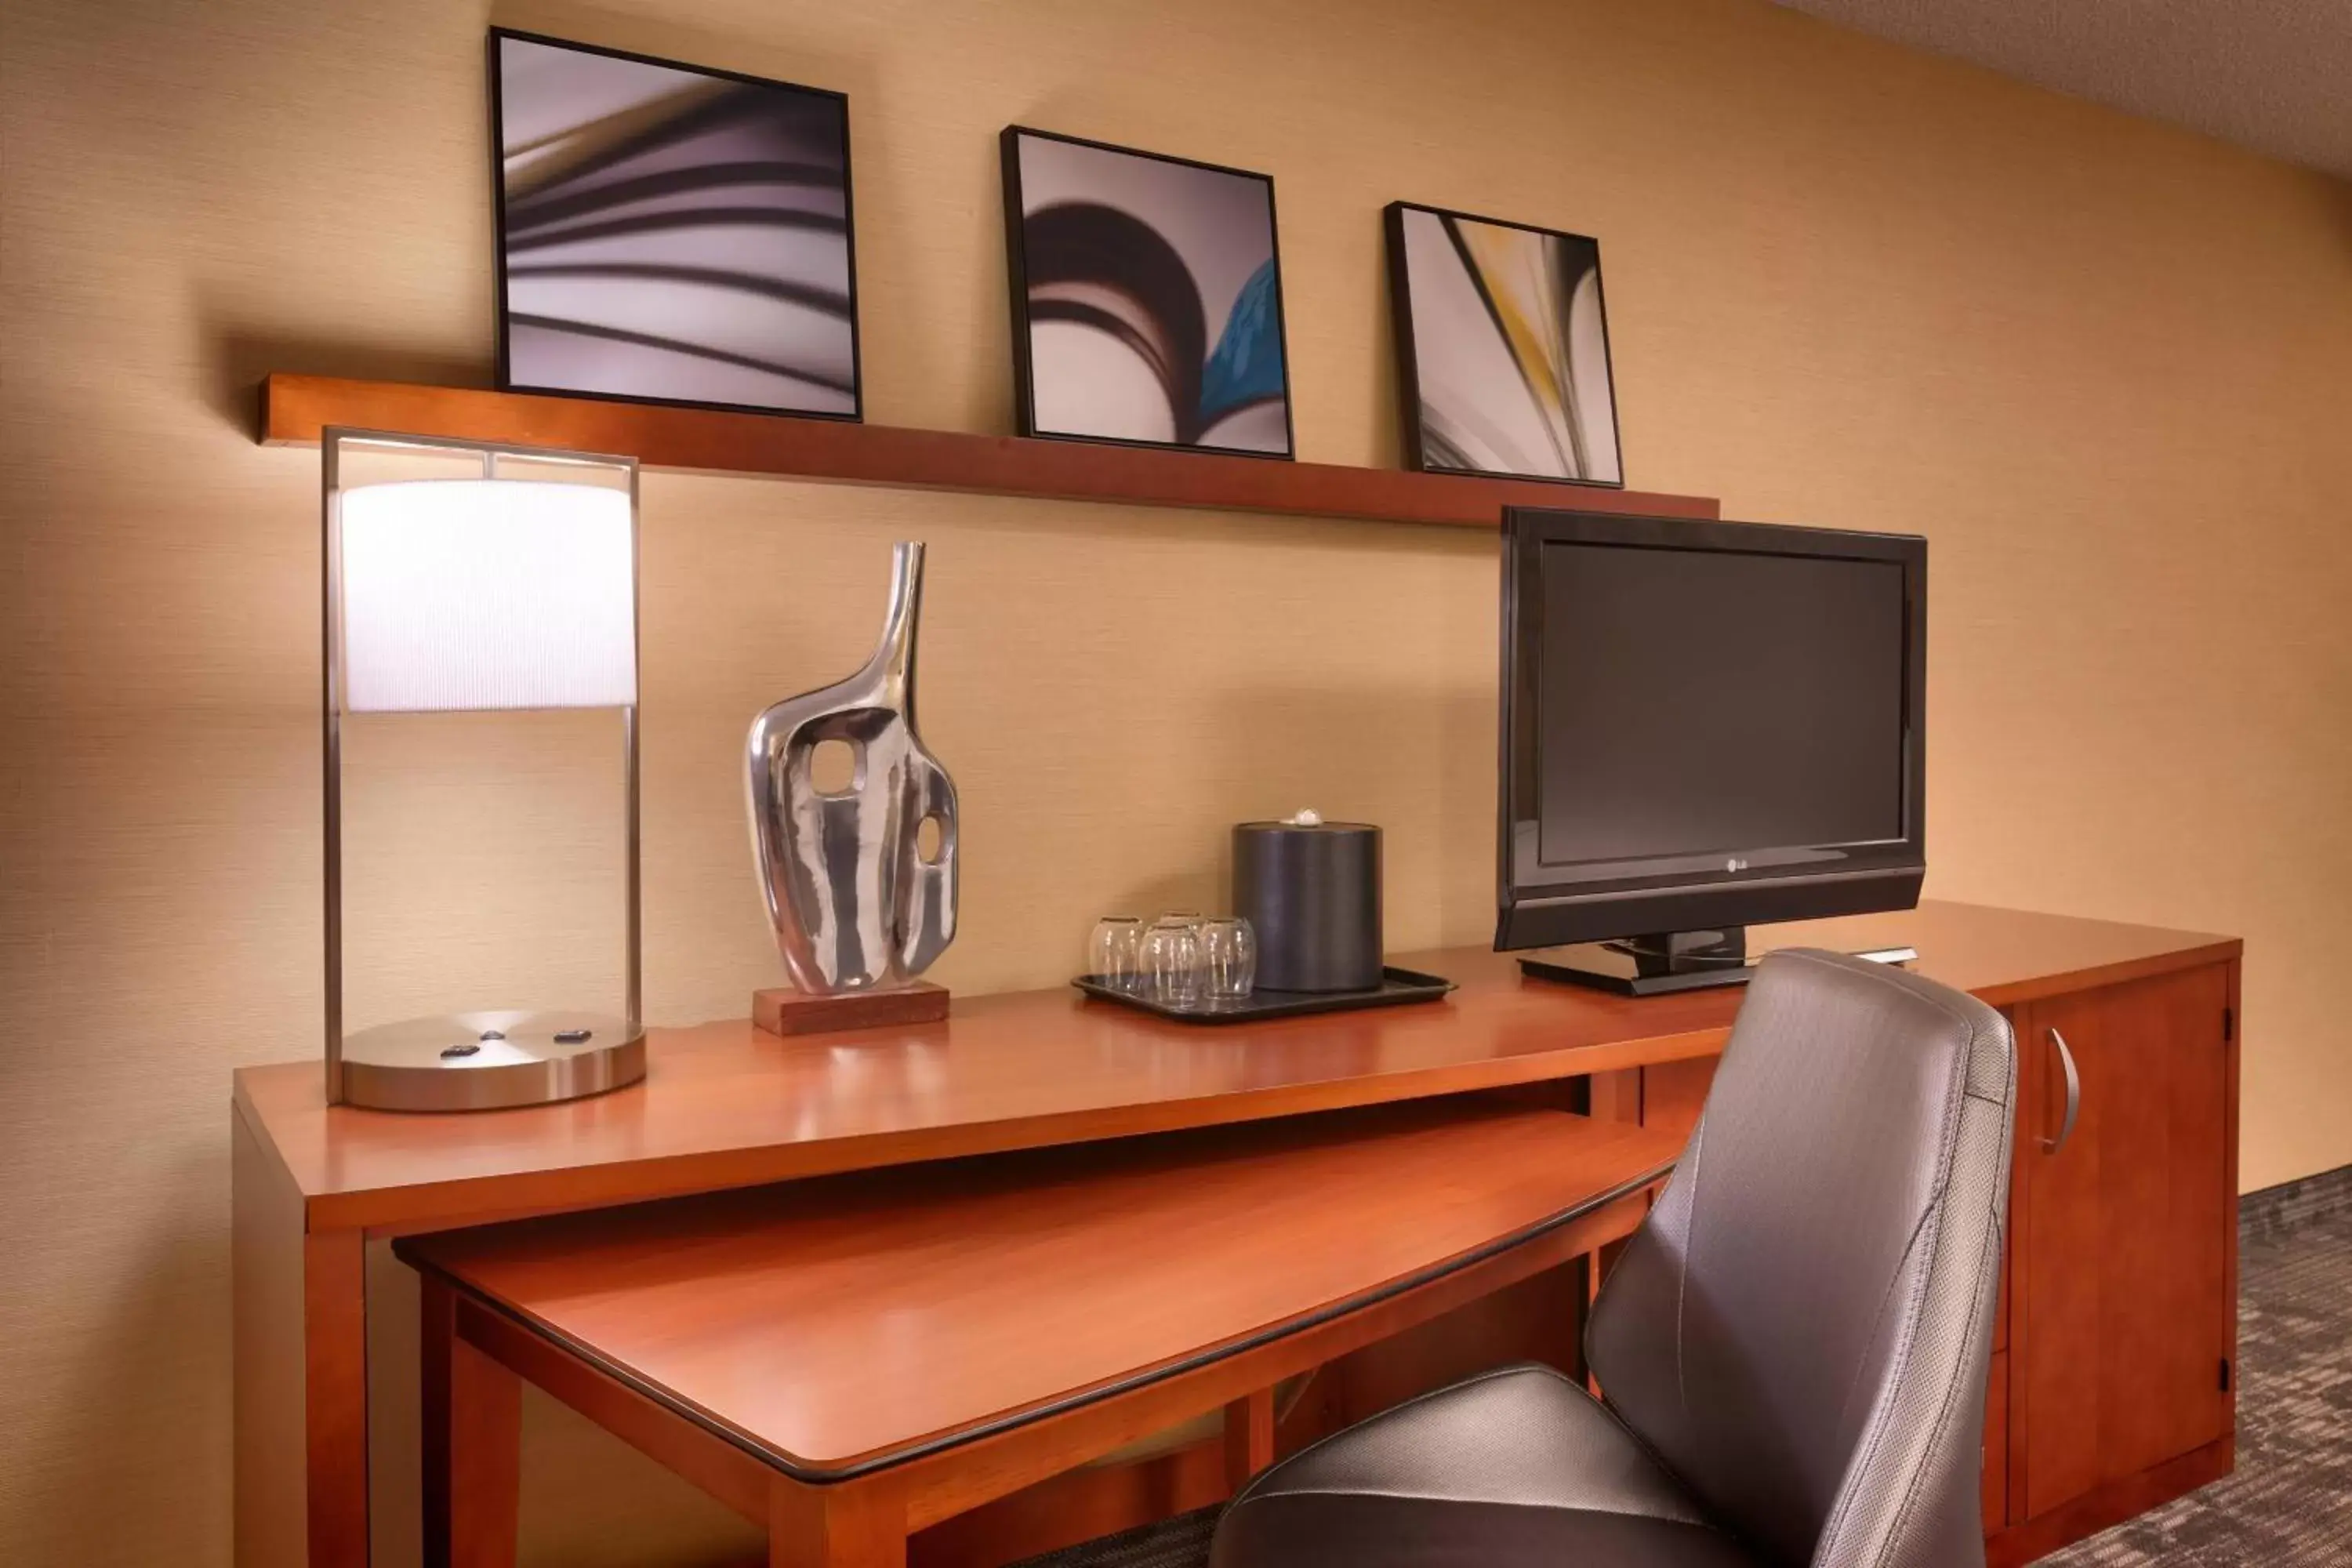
[{"x": 1704, "y": 726}]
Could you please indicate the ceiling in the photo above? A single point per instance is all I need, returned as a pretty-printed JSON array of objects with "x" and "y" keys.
[{"x": 2271, "y": 75}]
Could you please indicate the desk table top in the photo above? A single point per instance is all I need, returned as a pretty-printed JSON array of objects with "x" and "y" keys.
[
  {"x": 840, "y": 1324},
  {"x": 725, "y": 1105}
]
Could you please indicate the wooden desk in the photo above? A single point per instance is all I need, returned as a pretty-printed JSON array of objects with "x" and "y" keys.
[
  {"x": 725, "y": 1107},
  {"x": 896, "y": 1347}
]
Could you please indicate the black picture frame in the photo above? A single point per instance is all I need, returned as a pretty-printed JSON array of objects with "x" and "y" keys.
[
  {"x": 1017, "y": 279},
  {"x": 1410, "y": 400},
  {"x": 507, "y": 380}
]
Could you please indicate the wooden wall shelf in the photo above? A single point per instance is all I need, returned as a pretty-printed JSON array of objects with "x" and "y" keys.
[{"x": 296, "y": 408}]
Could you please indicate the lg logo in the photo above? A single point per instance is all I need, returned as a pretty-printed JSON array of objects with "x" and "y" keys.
[{"x": 1735, "y": 865}]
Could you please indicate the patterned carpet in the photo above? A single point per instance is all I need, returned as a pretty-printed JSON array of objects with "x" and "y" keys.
[{"x": 2287, "y": 1505}]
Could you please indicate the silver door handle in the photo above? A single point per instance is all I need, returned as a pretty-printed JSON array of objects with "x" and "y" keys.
[{"x": 2073, "y": 1096}]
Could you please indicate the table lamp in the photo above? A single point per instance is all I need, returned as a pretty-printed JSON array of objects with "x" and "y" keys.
[{"x": 469, "y": 594}]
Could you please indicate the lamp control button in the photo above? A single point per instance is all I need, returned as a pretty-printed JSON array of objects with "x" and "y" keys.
[
  {"x": 494, "y": 1034},
  {"x": 572, "y": 1037},
  {"x": 462, "y": 1048}
]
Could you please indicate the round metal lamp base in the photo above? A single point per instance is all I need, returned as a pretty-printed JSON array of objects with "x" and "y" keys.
[{"x": 491, "y": 1061}]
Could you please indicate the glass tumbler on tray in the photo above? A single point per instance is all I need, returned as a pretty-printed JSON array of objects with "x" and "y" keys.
[
  {"x": 1228, "y": 959},
  {"x": 1172, "y": 959},
  {"x": 1115, "y": 956}
]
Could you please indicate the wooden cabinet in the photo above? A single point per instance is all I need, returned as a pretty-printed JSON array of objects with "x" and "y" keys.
[
  {"x": 2125, "y": 1237},
  {"x": 2115, "y": 1327}
]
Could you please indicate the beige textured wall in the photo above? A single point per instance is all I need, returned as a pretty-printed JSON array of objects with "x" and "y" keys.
[{"x": 2106, "y": 365}]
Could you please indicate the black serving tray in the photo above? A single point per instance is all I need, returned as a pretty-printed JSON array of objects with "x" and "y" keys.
[{"x": 1397, "y": 987}]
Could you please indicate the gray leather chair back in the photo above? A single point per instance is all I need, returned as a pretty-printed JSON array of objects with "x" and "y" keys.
[{"x": 1800, "y": 1330}]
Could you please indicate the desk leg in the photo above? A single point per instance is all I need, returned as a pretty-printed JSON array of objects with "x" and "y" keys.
[
  {"x": 853, "y": 1524},
  {"x": 473, "y": 1443},
  {"x": 1615, "y": 1097},
  {"x": 1249, "y": 1437},
  {"x": 334, "y": 1337},
  {"x": 301, "y": 1337}
]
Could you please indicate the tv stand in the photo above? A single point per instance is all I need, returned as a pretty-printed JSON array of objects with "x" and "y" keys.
[
  {"x": 1650, "y": 965},
  {"x": 1666, "y": 961}
]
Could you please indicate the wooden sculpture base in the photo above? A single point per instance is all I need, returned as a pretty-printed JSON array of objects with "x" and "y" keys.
[{"x": 784, "y": 1011}]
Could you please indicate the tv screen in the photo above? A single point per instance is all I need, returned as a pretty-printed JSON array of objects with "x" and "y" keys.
[
  {"x": 1707, "y": 723},
  {"x": 1668, "y": 674}
]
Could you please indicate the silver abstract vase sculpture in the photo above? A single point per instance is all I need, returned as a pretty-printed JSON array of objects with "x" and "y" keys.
[{"x": 856, "y": 905}]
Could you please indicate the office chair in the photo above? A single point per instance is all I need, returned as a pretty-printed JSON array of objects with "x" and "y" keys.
[{"x": 1793, "y": 1347}]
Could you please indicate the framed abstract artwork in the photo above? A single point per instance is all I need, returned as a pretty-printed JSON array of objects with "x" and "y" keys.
[
  {"x": 1147, "y": 298},
  {"x": 669, "y": 234},
  {"x": 1501, "y": 348}
]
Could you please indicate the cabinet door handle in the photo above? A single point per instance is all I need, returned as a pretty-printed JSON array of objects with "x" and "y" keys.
[{"x": 2074, "y": 1095}]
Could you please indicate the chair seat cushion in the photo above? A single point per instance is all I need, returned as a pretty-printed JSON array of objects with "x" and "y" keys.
[{"x": 1517, "y": 1466}]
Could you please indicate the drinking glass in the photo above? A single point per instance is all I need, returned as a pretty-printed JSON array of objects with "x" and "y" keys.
[
  {"x": 1115, "y": 956},
  {"x": 1172, "y": 960},
  {"x": 1228, "y": 958}
]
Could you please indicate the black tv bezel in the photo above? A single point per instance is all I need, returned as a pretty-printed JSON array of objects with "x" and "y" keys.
[{"x": 1875, "y": 877}]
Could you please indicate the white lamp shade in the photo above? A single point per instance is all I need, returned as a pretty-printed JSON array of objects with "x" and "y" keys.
[{"x": 486, "y": 594}]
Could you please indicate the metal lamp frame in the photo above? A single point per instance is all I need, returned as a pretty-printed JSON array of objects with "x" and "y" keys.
[{"x": 332, "y": 442}]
